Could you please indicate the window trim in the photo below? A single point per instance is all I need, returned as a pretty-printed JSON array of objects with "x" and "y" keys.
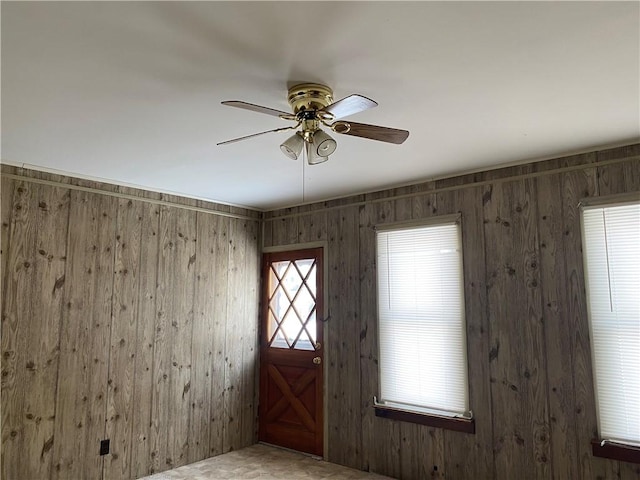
[
  {"x": 458, "y": 424},
  {"x": 623, "y": 452},
  {"x": 449, "y": 422}
]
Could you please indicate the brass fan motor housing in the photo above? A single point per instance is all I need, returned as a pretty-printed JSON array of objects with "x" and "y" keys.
[{"x": 309, "y": 96}]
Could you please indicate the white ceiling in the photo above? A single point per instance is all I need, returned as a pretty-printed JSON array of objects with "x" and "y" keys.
[{"x": 130, "y": 92}]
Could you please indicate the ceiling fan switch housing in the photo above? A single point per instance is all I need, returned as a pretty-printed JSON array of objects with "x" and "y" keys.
[{"x": 309, "y": 96}]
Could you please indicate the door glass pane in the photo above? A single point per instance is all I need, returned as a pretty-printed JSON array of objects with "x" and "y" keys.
[
  {"x": 311, "y": 281},
  {"x": 311, "y": 326},
  {"x": 304, "y": 303},
  {"x": 292, "y": 293},
  {"x": 304, "y": 266},
  {"x": 291, "y": 282},
  {"x": 304, "y": 343}
]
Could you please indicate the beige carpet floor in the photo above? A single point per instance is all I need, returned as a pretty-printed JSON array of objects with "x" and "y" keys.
[{"x": 264, "y": 463}]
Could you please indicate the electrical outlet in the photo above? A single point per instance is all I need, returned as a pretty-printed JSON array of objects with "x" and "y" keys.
[{"x": 104, "y": 447}]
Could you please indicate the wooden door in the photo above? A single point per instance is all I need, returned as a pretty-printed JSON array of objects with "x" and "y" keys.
[{"x": 291, "y": 406}]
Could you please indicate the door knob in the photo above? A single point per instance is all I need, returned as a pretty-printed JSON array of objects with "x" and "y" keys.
[{"x": 317, "y": 360}]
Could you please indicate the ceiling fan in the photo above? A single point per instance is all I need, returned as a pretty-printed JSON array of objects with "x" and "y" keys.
[{"x": 313, "y": 107}]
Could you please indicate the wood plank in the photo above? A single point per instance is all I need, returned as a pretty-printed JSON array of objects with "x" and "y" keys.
[
  {"x": 415, "y": 452},
  {"x": 181, "y": 327},
  {"x": 287, "y": 231},
  {"x": 403, "y": 207},
  {"x": 560, "y": 378},
  {"x": 312, "y": 227},
  {"x": 267, "y": 233},
  {"x": 369, "y": 385},
  {"x": 503, "y": 369},
  {"x": 343, "y": 355},
  {"x": 369, "y": 379},
  {"x": 6, "y": 204},
  {"x": 43, "y": 327},
  {"x": 123, "y": 342},
  {"x": 84, "y": 343},
  {"x": 234, "y": 338},
  {"x": 161, "y": 396},
  {"x": 432, "y": 442},
  {"x": 141, "y": 414},
  {"x": 531, "y": 335},
  {"x": 619, "y": 177},
  {"x": 520, "y": 417},
  {"x": 218, "y": 428},
  {"x": 17, "y": 308},
  {"x": 203, "y": 335},
  {"x": 250, "y": 357}
]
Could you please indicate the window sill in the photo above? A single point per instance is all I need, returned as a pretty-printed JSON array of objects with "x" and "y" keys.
[
  {"x": 465, "y": 425},
  {"x": 616, "y": 451}
]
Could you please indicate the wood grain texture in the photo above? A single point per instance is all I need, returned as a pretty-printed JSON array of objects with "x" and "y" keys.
[
  {"x": 219, "y": 428},
  {"x": 234, "y": 336},
  {"x": 312, "y": 228},
  {"x": 368, "y": 331},
  {"x": 98, "y": 305},
  {"x": 519, "y": 370},
  {"x": 6, "y": 197},
  {"x": 182, "y": 280},
  {"x": 560, "y": 381},
  {"x": 17, "y": 307},
  {"x": 526, "y": 327},
  {"x": 380, "y": 437},
  {"x": 47, "y": 299},
  {"x": 141, "y": 414},
  {"x": 529, "y": 357},
  {"x": 6, "y": 204},
  {"x": 343, "y": 330},
  {"x": 250, "y": 343},
  {"x": 575, "y": 186},
  {"x": 468, "y": 455},
  {"x": 123, "y": 342},
  {"x": 161, "y": 394},
  {"x": 84, "y": 343},
  {"x": 203, "y": 333}
]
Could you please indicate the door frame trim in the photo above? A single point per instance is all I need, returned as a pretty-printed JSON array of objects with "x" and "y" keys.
[{"x": 326, "y": 329}]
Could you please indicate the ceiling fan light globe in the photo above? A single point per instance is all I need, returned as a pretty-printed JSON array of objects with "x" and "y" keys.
[
  {"x": 312, "y": 155},
  {"x": 324, "y": 144},
  {"x": 316, "y": 159},
  {"x": 292, "y": 147}
]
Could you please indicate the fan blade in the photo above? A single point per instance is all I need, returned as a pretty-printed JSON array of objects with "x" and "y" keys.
[
  {"x": 256, "y": 135},
  {"x": 349, "y": 105},
  {"x": 258, "y": 108},
  {"x": 373, "y": 132}
]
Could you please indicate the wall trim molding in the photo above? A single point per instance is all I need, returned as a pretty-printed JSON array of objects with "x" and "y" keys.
[
  {"x": 126, "y": 196},
  {"x": 480, "y": 183}
]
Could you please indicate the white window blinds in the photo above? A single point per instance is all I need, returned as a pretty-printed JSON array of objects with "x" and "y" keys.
[
  {"x": 423, "y": 363},
  {"x": 611, "y": 237}
]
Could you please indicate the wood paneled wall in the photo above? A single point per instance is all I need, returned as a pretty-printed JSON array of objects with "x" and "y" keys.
[
  {"x": 530, "y": 374},
  {"x": 127, "y": 319}
]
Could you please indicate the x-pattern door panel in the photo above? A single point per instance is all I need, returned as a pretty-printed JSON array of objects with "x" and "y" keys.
[{"x": 291, "y": 351}]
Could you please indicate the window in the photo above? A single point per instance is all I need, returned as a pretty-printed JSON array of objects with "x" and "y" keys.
[
  {"x": 611, "y": 237},
  {"x": 422, "y": 361}
]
